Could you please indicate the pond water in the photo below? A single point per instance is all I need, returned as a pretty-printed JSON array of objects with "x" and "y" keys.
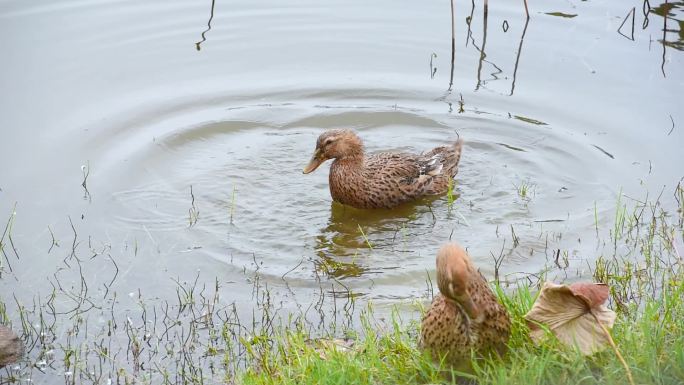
[{"x": 170, "y": 136}]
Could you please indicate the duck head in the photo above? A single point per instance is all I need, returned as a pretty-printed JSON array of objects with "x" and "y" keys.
[
  {"x": 334, "y": 144},
  {"x": 454, "y": 271}
]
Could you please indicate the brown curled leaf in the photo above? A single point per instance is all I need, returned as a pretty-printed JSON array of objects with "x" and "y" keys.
[
  {"x": 593, "y": 294},
  {"x": 572, "y": 314}
]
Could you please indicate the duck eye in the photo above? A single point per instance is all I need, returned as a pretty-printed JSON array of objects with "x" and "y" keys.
[{"x": 328, "y": 141}]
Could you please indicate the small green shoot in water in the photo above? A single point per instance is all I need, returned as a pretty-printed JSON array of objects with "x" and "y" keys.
[
  {"x": 525, "y": 190},
  {"x": 620, "y": 213},
  {"x": 365, "y": 238},
  {"x": 450, "y": 193},
  {"x": 595, "y": 217},
  {"x": 451, "y": 198},
  {"x": 8, "y": 230}
]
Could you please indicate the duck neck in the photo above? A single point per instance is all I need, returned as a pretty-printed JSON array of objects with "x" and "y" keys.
[
  {"x": 346, "y": 176},
  {"x": 349, "y": 166},
  {"x": 351, "y": 160}
]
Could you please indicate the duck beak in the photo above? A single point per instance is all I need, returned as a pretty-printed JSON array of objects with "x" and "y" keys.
[{"x": 316, "y": 160}]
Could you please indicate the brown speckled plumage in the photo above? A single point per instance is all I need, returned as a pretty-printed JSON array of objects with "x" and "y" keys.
[
  {"x": 382, "y": 180},
  {"x": 466, "y": 315},
  {"x": 11, "y": 348}
]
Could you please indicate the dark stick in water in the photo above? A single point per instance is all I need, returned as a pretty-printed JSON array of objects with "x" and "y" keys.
[
  {"x": 483, "y": 55},
  {"x": 86, "y": 173},
  {"x": 453, "y": 46},
  {"x": 646, "y": 9},
  {"x": 630, "y": 13},
  {"x": 211, "y": 16},
  {"x": 469, "y": 20},
  {"x": 517, "y": 58},
  {"x": 662, "y": 65}
]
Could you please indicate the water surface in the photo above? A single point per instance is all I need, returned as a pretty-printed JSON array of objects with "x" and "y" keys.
[{"x": 151, "y": 99}]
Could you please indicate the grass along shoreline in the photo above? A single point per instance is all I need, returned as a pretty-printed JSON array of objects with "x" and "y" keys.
[
  {"x": 650, "y": 337},
  {"x": 643, "y": 268},
  {"x": 81, "y": 335}
]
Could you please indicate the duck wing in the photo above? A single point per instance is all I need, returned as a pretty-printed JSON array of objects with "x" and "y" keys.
[{"x": 409, "y": 173}]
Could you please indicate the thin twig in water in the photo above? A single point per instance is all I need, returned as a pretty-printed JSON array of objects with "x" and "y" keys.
[
  {"x": 619, "y": 30},
  {"x": 85, "y": 168},
  {"x": 469, "y": 21},
  {"x": 193, "y": 212},
  {"x": 434, "y": 218},
  {"x": 517, "y": 57},
  {"x": 8, "y": 232},
  {"x": 54, "y": 241},
  {"x": 116, "y": 274},
  {"x": 453, "y": 46},
  {"x": 292, "y": 269},
  {"x": 211, "y": 17},
  {"x": 430, "y": 287},
  {"x": 433, "y": 70},
  {"x": 662, "y": 65},
  {"x": 73, "y": 243},
  {"x": 483, "y": 55},
  {"x": 646, "y": 9},
  {"x": 516, "y": 239},
  {"x": 498, "y": 261}
]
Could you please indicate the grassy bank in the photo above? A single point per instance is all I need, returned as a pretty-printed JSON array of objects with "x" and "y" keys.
[
  {"x": 642, "y": 265},
  {"x": 86, "y": 332},
  {"x": 651, "y": 339}
]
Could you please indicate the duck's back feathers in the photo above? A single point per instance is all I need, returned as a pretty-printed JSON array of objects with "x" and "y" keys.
[
  {"x": 418, "y": 175},
  {"x": 450, "y": 157}
]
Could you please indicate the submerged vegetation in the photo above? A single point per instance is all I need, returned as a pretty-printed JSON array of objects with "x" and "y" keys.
[
  {"x": 451, "y": 197},
  {"x": 525, "y": 190},
  {"x": 82, "y": 333}
]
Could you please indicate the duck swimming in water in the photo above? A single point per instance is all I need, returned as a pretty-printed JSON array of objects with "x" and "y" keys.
[{"x": 386, "y": 179}]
